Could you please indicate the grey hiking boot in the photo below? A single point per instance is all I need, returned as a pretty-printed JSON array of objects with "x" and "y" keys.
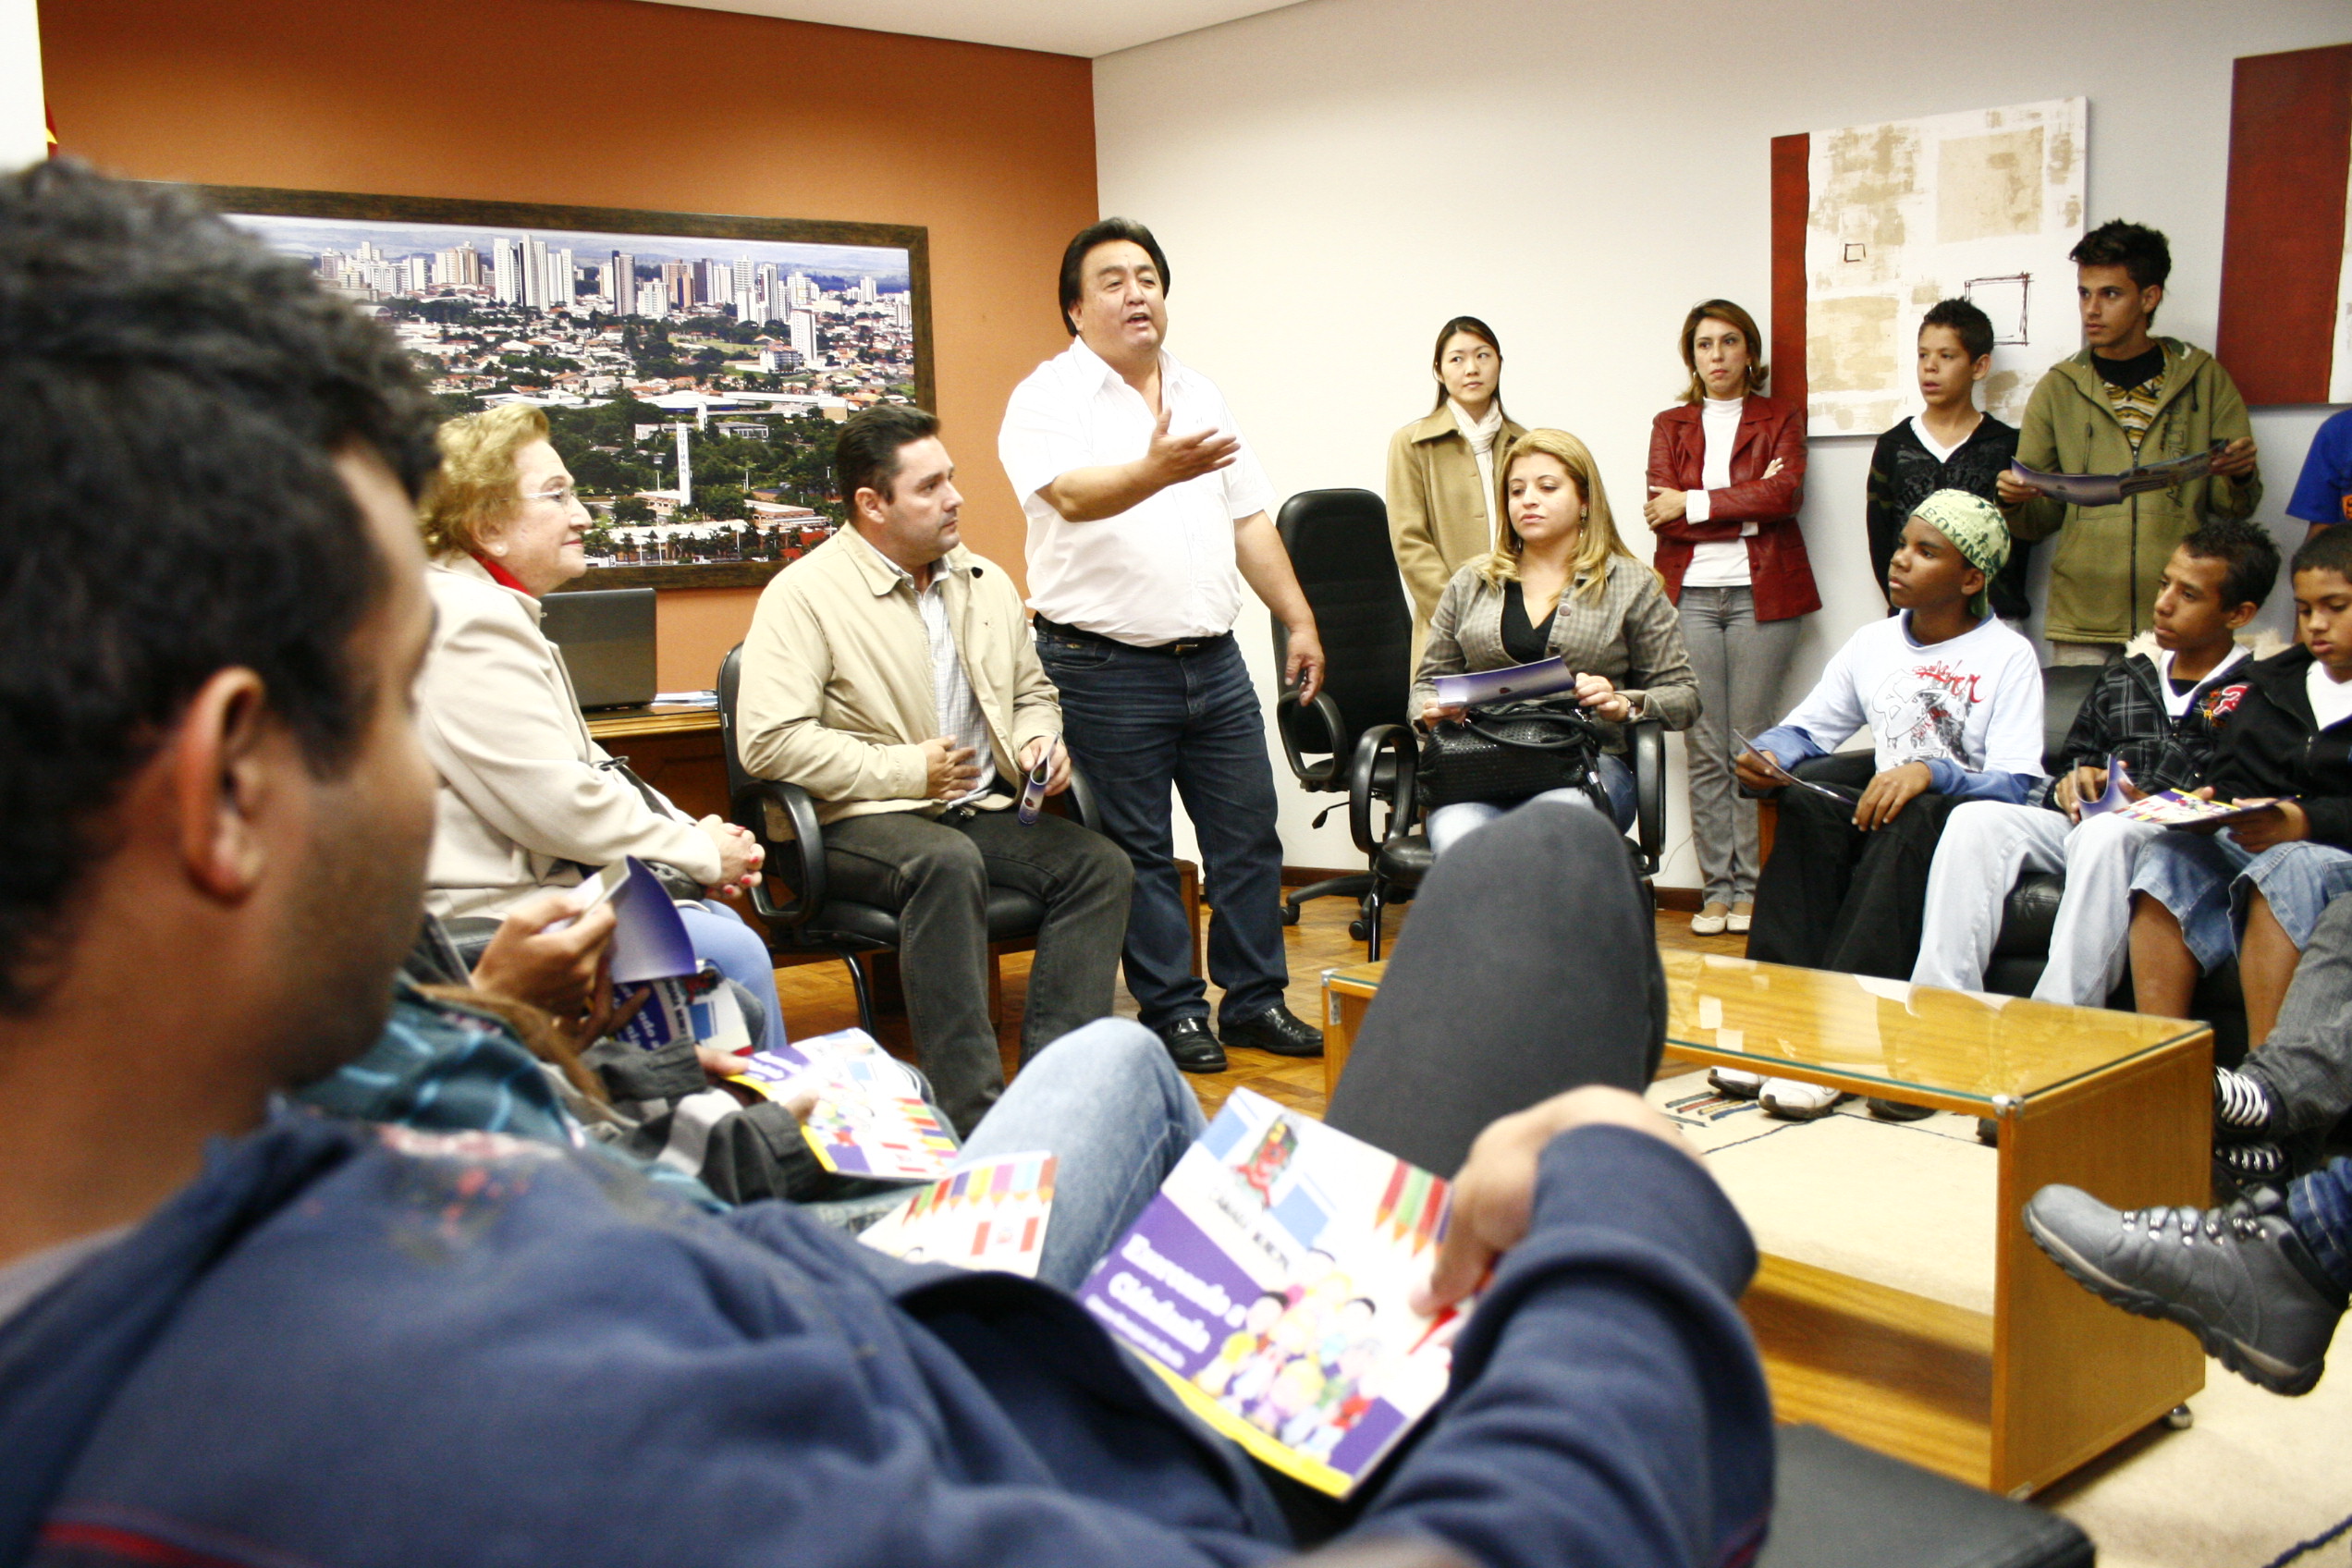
[{"x": 2237, "y": 1277}]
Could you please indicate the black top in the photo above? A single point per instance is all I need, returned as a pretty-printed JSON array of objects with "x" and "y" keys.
[
  {"x": 2132, "y": 372},
  {"x": 1903, "y": 473},
  {"x": 1524, "y": 641},
  {"x": 2180, "y": 684}
]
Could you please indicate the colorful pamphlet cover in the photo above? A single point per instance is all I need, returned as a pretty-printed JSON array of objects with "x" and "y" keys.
[
  {"x": 2172, "y": 808},
  {"x": 652, "y": 951},
  {"x": 870, "y": 1118},
  {"x": 1538, "y": 680},
  {"x": 2107, "y": 489},
  {"x": 1269, "y": 1283},
  {"x": 990, "y": 1215},
  {"x": 694, "y": 1007}
]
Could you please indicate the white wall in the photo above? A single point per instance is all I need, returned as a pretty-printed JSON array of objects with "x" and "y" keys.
[
  {"x": 1333, "y": 181},
  {"x": 23, "y": 128}
]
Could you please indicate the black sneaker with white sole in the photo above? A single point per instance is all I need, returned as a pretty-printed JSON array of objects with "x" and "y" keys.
[{"x": 2237, "y": 1277}]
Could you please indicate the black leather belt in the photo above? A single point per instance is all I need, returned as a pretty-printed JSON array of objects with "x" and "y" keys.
[{"x": 1182, "y": 648}]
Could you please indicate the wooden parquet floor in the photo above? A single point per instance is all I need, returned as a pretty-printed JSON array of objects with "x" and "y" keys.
[{"x": 817, "y": 999}]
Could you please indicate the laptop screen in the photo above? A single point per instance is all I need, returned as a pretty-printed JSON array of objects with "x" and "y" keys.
[{"x": 606, "y": 635}]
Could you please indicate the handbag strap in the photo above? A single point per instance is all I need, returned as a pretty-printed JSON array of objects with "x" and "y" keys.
[{"x": 1573, "y": 729}]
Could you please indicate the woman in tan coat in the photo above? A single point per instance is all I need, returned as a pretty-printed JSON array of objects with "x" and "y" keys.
[
  {"x": 1442, "y": 468},
  {"x": 527, "y": 799}
]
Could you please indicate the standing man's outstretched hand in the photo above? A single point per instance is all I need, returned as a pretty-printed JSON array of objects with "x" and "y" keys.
[{"x": 1494, "y": 1196}]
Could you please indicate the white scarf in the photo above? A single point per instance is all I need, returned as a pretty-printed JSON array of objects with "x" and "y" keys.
[{"x": 1481, "y": 436}]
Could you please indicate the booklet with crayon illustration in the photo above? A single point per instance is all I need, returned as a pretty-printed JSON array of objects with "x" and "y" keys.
[
  {"x": 2171, "y": 808},
  {"x": 990, "y": 1215},
  {"x": 870, "y": 1118},
  {"x": 1269, "y": 1283}
]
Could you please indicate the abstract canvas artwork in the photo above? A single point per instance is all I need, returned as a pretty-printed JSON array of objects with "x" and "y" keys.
[
  {"x": 2286, "y": 248},
  {"x": 1893, "y": 217}
]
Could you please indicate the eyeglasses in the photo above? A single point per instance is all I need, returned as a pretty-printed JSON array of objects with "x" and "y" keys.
[{"x": 561, "y": 494}]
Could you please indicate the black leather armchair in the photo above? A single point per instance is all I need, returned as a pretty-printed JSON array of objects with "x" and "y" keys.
[
  {"x": 783, "y": 818},
  {"x": 2021, "y": 949}
]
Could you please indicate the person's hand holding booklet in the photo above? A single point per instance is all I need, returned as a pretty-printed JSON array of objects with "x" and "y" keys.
[{"x": 1759, "y": 769}]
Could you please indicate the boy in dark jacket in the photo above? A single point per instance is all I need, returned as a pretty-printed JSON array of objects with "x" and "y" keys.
[
  {"x": 1950, "y": 446},
  {"x": 2155, "y": 712},
  {"x": 2257, "y": 890},
  {"x": 242, "y": 1334}
]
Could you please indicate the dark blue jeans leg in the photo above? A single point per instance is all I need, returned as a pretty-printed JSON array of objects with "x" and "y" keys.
[
  {"x": 1228, "y": 787},
  {"x": 1124, "y": 716},
  {"x": 2321, "y": 1206}
]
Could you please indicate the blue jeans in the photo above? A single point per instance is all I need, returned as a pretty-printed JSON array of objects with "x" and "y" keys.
[
  {"x": 1447, "y": 824},
  {"x": 2321, "y": 1206},
  {"x": 720, "y": 935},
  {"x": 2205, "y": 880},
  {"x": 1137, "y": 723},
  {"x": 1107, "y": 1103},
  {"x": 1111, "y": 1108}
]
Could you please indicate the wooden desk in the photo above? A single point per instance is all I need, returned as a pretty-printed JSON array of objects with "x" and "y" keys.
[
  {"x": 674, "y": 749},
  {"x": 2115, "y": 1103}
]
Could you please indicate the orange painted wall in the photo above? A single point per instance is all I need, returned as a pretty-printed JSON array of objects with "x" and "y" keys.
[{"x": 619, "y": 104}]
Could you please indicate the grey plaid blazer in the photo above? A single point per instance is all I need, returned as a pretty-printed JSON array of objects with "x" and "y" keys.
[{"x": 1630, "y": 633}]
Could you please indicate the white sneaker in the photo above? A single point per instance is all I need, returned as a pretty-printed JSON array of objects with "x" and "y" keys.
[
  {"x": 1739, "y": 919},
  {"x": 1732, "y": 1082},
  {"x": 1711, "y": 921},
  {"x": 1792, "y": 1101}
]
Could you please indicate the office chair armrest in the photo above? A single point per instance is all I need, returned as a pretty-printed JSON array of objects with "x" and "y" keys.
[
  {"x": 799, "y": 860},
  {"x": 1645, "y": 739},
  {"x": 1403, "y": 799},
  {"x": 1288, "y": 709}
]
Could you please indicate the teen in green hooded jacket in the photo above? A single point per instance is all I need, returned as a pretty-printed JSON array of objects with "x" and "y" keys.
[{"x": 2127, "y": 398}]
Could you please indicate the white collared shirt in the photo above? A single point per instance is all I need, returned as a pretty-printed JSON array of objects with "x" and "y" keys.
[
  {"x": 1162, "y": 570},
  {"x": 952, "y": 695}
]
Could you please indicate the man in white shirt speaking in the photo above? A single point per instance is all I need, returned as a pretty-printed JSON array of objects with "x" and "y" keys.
[{"x": 1146, "y": 513}]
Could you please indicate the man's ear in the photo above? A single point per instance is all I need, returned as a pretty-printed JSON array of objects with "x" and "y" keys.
[
  {"x": 1973, "y": 580},
  {"x": 218, "y": 773},
  {"x": 2151, "y": 297},
  {"x": 2240, "y": 614},
  {"x": 1981, "y": 369}
]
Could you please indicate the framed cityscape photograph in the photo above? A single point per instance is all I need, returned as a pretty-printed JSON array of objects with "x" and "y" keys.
[{"x": 694, "y": 368}]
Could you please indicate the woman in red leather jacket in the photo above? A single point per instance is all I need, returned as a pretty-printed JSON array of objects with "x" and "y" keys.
[{"x": 1726, "y": 474}]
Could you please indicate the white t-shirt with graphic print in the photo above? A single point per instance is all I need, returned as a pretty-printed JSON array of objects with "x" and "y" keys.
[{"x": 1975, "y": 700}]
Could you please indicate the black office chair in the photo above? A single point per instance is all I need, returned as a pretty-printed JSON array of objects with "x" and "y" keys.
[
  {"x": 1386, "y": 772},
  {"x": 1339, "y": 546},
  {"x": 783, "y": 818}
]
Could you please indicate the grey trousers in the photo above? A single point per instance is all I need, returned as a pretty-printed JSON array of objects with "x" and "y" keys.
[
  {"x": 1740, "y": 663},
  {"x": 936, "y": 873},
  {"x": 2306, "y": 1062}
]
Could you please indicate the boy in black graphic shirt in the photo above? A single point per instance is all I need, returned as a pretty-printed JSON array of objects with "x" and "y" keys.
[{"x": 1950, "y": 446}]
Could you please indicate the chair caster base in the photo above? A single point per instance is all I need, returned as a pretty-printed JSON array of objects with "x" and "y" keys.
[
  {"x": 1359, "y": 929},
  {"x": 1289, "y": 914},
  {"x": 2180, "y": 1418}
]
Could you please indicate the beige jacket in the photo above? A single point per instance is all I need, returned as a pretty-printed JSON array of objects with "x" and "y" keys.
[
  {"x": 836, "y": 692},
  {"x": 1629, "y": 633},
  {"x": 1440, "y": 518},
  {"x": 522, "y": 804}
]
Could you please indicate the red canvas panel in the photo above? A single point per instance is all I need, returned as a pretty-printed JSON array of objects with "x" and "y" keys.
[
  {"x": 1792, "y": 196},
  {"x": 2283, "y": 241}
]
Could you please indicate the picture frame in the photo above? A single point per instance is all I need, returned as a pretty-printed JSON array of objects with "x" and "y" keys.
[{"x": 694, "y": 410}]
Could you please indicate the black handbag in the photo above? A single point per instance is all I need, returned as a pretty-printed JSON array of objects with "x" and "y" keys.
[{"x": 1509, "y": 751}]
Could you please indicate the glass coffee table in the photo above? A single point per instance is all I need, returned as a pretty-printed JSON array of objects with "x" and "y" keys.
[{"x": 2117, "y": 1103}]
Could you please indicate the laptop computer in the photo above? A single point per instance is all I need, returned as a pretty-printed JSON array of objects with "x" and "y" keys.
[{"x": 606, "y": 635}]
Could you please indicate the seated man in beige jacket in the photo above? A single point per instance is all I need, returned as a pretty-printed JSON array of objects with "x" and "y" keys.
[{"x": 890, "y": 674}]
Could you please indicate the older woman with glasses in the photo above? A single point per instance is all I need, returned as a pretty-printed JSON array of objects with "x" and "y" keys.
[{"x": 527, "y": 800}]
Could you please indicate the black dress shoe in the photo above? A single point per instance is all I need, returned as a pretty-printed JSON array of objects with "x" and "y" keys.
[
  {"x": 1278, "y": 1030},
  {"x": 1192, "y": 1047}
]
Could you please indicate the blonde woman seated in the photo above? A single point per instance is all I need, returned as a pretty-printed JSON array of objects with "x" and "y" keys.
[
  {"x": 1559, "y": 583},
  {"x": 527, "y": 800}
]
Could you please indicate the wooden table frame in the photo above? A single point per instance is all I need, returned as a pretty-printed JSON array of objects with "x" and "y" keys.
[{"x": 2010, "y": 1400}]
